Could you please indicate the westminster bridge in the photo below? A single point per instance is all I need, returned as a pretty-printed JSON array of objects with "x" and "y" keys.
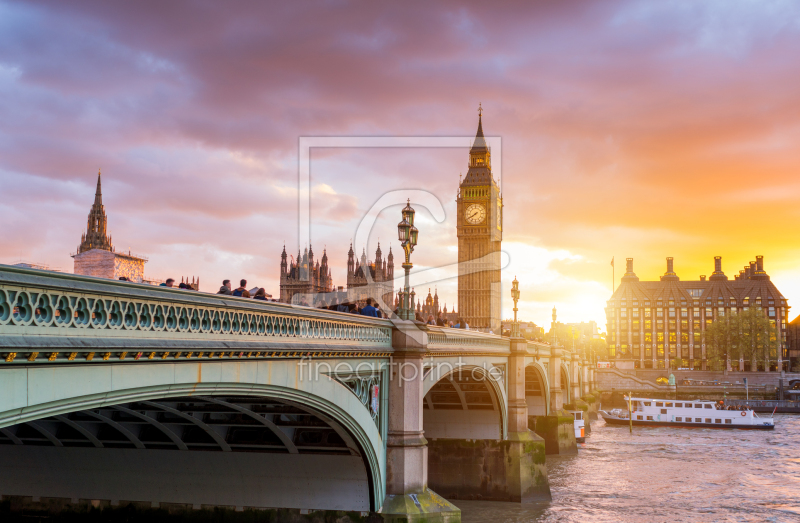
[{"x": 116, "y": 392}]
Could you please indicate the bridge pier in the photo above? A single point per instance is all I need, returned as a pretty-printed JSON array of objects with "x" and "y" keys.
[
  {"x": 408, "y": 498},
  {"x": 554, "y": 371},
  {"x": 511, "y": 469}
]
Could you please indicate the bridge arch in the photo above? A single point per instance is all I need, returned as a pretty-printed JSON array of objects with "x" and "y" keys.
[
  {"x": 227, "y": 386},
  {"x": 465, "y": 402},
  {"x": 537, "y": 391}
]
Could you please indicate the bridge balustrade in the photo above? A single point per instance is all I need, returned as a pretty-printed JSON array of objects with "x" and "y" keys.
[{"x": 49, "y": 310}]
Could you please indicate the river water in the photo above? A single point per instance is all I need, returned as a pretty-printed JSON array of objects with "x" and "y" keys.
[{"x": 666, "y": 474}]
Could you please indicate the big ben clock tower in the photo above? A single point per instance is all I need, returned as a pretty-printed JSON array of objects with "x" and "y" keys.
[{"x": 480, "y": 232}]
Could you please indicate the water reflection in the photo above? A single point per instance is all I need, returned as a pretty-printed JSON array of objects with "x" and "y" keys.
[{"x": 663, "y": 474}]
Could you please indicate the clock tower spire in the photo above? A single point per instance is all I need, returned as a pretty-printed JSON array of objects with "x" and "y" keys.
[{"x": 480, "y": 233}]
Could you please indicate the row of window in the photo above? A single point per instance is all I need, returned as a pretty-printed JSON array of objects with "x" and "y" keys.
[
  {"x": 671, "y": 312},
  {"x": 682, "y": 405},
  {"x": 709, "y": 301},
  {"x": 689, "y": 420}
]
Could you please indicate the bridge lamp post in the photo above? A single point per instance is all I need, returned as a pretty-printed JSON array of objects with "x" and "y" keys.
[
  {"x": 407, "y": 234},
  {"x": 515, "y": 297}
]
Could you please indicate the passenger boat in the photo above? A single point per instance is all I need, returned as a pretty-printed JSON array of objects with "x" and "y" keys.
[
  {"x": 700, "y": 414},
  {"x": 579, "y": 425}
]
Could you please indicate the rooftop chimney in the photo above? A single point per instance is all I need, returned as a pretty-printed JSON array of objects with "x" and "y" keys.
[
  {"x": 718, "y": 274},
  {"x": 703, "y": 277},
  {"x": 629, "y": 274},
  {"x": 670, "y": 274},
  {"x": 759, "y": 272}
]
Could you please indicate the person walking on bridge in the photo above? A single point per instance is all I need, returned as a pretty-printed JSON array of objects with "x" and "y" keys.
[
  {"x": 242, "y": 291},
  {"x": 225, "y": 288}
]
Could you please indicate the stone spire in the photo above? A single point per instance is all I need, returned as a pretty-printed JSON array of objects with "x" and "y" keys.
[
  {"x": 96, "y": 235},
  {"x": 479, "y": 146}
]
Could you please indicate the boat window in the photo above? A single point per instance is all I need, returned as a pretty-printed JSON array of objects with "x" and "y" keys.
[
  {"x": 679, "y": 418},
  {"x": 689, "y": 420},
  {"x": 727, "y": 421},
  {"x": 663, "y": 411},
  {"x": 659, "y": 404},
  {"x": 698, "y": 405},
  {"x": 708, "y": 406},
  {"x": 708, "y": 420},
  {"x": 638, "y": 417},
  {"x": 650, "y": 418},
  {"x": 647, "y": 403},
  {"x": 679, "y": 404},
  {"x": 717, "y": 421},
  {"x": 668, "y": 405},
  {"x": 698, "y": 420}
]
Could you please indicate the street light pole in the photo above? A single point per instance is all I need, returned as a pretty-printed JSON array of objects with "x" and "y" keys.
[
  {"x": 515, "y": 297},
  {"x": 407, "y": 234}
]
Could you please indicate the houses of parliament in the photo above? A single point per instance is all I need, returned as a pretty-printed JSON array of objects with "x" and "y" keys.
[{"x": 479, "y": 229}]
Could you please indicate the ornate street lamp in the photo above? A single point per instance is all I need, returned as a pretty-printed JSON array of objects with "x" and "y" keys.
[
  {"x": 407, "y": 234},
  {"x": 515, "y": 297}
]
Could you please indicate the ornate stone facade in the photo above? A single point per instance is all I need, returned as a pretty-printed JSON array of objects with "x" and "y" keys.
[
  {"x": 96, "y": 255},
  {"x": 381, "y": 277},
  {"x": 303, "y": 276},
  {"x": 480, "y": 232},
  {"x": 430, "y": 306}
]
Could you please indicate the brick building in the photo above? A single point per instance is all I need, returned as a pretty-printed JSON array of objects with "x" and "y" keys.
[{"x": 650, "y": 323}]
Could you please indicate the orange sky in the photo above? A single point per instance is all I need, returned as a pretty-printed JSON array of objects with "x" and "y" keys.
[{"x": 628, "y": 129}]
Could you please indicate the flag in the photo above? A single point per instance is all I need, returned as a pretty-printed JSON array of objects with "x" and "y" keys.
[{"x": 612, "y": 261}]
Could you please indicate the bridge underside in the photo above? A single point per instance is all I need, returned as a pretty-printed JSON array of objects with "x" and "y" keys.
[{"x": 222, "y": 450}]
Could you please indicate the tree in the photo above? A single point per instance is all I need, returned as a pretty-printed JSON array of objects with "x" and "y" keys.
[{"x": 747, "y": 335}]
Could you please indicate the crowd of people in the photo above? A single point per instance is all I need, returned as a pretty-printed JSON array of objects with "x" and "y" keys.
[
  {"x": 368, "y": 307},
  {"x": 241, "y": 291}
]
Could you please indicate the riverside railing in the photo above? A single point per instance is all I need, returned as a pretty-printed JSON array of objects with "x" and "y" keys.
[{"x": 52, "y": 317}]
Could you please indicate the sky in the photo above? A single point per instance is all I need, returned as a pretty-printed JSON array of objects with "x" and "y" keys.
[{"x": 627, "y": 129}]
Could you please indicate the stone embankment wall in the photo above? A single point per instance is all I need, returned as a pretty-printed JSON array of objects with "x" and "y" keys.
[{"x": 608, "y": 379}]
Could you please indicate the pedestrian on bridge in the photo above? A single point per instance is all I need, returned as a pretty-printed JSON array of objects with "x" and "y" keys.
[
  {"x": 226, "y": 288},
  {"x": 369, "y": 310},
  {"x": 242, "y": 290}
]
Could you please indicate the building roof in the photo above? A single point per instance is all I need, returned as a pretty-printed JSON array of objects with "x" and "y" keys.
[{"x": 751, "y": 285}]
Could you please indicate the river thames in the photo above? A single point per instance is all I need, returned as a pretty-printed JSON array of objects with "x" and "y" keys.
[{"x": 662, "y": 474}]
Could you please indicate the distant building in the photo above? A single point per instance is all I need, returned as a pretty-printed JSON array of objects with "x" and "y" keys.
[
  {"x": 381, "y": 277},
  {"x": 587, "y": 329},
  {"x": 96, "y": 255},
  {"x": 430, "y": 306},
  {"x": 793, "y": 344},
  {"x": 652, "y": 322},
  {"x": 303, "y": 276},
  {"x": 527, "y": 329}
]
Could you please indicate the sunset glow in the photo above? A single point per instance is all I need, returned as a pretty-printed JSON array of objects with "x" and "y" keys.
[{"x": 628, "y": 129}]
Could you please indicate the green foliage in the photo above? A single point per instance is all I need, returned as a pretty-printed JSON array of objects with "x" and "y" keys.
[
  {"x": 589, "y": 399},
  {"x": 748, "y": 334}
]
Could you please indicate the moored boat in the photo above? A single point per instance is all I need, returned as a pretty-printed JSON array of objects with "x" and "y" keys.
[
  {"x": 579, "y": 425},
  {"x": 697, "y": 413}
]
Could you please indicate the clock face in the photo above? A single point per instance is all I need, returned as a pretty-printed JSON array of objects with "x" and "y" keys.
[{"x": 475, "y": 214}]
